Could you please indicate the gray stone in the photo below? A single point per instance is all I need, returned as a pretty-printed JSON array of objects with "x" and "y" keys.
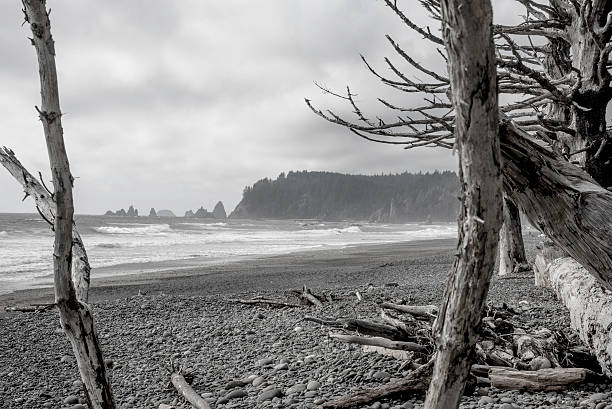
[
  {"x": 381, "y": 375},
  {"x": 297, "y": 388},
  {"x": 313, "y": 385},
  {"x": 486, "y": 400},
  {"x": 539, "y": 362},
  {"x": 258, "y": 381},
  {"x": 281, "y": 367},
  {"x": 269, "y": 394},
  {"x": 71, "y": 400},
  {"x": 264, "y": 362}
]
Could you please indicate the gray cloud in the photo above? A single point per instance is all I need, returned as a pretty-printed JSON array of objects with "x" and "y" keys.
[{"x": 180, "y": 104}]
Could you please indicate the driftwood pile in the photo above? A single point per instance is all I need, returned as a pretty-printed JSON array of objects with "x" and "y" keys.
[{"x": 506, "y": 356}]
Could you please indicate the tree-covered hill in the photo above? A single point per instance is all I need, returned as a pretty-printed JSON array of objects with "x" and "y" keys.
[{"x": 333, "y": 196}]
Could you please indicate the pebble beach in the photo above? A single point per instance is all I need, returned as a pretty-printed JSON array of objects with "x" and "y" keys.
[{"x": 246, "y": 356}]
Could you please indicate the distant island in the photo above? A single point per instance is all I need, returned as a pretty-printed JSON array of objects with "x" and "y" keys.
[
  {"x": 217, "y": 213},
  {"x": 404, "y": 197}
]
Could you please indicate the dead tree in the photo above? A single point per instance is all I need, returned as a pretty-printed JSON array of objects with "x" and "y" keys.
[
  {"x": 512, "y": 257},
  {"x": 553, "y": 71},
  {"x": 75, "y": 316},
  {"x": 474, "y": 97}
]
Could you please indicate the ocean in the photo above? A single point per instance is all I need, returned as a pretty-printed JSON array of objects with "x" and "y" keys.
[{"x": 127, "y": 245}]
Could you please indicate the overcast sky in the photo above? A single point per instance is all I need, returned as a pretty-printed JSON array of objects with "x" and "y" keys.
[{"x": 179, "y": 104}]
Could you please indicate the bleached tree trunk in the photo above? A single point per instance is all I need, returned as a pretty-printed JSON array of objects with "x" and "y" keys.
[
  {"x": 590, "y": 307},
  {"x": 467, "y": 29},
  {"x": 512, "y": 258},
  {"x": 75, "y": 316}
]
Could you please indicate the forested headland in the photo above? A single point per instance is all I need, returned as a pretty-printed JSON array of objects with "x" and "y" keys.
[{"x": 404, "y": 197}]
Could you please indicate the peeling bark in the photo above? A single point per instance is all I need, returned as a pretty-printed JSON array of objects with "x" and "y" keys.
[
  {"x": 467, "y": 29},
  {"x": 75, "y": 316}
]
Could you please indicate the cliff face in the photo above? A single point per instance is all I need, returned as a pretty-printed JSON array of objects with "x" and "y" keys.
[{"x": 332, "y": 196}]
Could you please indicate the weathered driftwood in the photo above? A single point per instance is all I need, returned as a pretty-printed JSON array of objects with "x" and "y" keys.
[
  {"x": 379, "y": 342},
  {"x": 512, "y": 257},
  {"x": 589, "y": 305},
  {"x": 418, "y": 311},
  {"x": 405, "y": 356},
  {"x": 468, "y": 39},
  {"x": 45, "y": 205},
  {"x": 562, "y": 200},
  {"x": 362, "y": 326},
  {"x": 557, "y": 379},
  {"x": 416, "y": 382},
  {"x": 75, "y": 316},
  {"x": 29, "y": 308},
  {"x": 187, "y": 391},
  {"x": 307, "y": 295},
  {"x": 263, "y": 301}
]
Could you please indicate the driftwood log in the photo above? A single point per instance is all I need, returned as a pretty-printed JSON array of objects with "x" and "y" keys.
[
  {"x": 363, "y": 327},
  {"x": 263, "y": 301},
  {"x": 186, "y": 391},
  {"x": 416, "y": 382},
  {"x": 428, "y": 312},
  {"x": 557, "y": 379},
  {"x": 379, "y": 342},
  {"x": 589, "y": 305}
]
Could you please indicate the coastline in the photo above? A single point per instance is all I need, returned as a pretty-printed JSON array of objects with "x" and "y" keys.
[{"x": 328, "y": 268}]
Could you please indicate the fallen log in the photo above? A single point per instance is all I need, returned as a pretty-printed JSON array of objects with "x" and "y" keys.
[
  {"x": 363, "y": 327},
  {"x": 405, "y": 356},
  {"x": 181, "y": 385},
  {"x": 379, "y": 342},
  {"x": 416, "y": 382},
  {"x": 560, "y": 199},
  {"x": 548, "y": 380},
  {"x": 418, "y": 311},
  {"x": 589, "y": 305},
  {"x": 30, "y": 308},
  {"x": 271, "y": 303},
  {"x": 308, "y": 296}
]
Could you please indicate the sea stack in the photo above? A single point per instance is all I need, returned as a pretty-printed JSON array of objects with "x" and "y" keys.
[
  {"x": 132, "y": 212},
  {"x": 152, "y": 212},
  {"x": 219, "y": 211}
]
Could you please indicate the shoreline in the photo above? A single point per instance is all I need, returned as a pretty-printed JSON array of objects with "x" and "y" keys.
[{"x": 324, "y": 266}]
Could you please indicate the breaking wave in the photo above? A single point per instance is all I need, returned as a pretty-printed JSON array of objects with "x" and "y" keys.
[{"x": 140, "y": 229}]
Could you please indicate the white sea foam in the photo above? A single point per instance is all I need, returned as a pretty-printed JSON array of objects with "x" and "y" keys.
[
  {"x": 135, "y": 229},
  {"x": 3, "y": 233}
]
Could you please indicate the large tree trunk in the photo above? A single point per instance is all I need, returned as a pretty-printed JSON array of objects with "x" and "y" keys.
[
  {"x": 590, "y": 307},
  {"x": 512, "y": 258},
  {"x": 75, "y": 317},
  {"x": 468, "y": 38},
  {"x": 560, "y": 199}
]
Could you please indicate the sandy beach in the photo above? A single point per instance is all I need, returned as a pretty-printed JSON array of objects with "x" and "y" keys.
[{"x": 256, "y": 356}]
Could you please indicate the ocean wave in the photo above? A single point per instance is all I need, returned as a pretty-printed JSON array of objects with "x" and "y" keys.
[
  {"x": 108, "y": 245},
  {"x": 141, "y": 229},
  {"x": 3, "y": 233}
]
